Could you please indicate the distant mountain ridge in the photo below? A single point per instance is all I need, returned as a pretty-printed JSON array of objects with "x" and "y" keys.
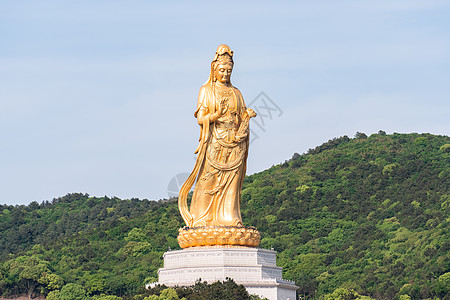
[{"x": 369, "y": 213}]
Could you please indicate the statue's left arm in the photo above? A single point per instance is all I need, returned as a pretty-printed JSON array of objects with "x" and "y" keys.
[{"x": 246, "y": 114}]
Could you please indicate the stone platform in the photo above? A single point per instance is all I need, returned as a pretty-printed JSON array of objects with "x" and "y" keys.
[{"x": 254, "y": 268}]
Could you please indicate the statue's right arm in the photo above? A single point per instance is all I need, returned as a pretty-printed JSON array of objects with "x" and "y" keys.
[{"x": 203, "y": 113}]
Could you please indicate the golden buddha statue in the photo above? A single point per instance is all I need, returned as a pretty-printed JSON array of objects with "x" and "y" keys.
[{"x": 214, "y": 217}]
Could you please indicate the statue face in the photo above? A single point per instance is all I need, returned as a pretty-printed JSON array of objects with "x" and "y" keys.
[{"x": 223, "y": 72}]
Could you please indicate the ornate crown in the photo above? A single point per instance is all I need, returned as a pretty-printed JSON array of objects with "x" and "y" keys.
[
  {"x": 223, "y": 55},
  {"x": 224, "y": 59}
]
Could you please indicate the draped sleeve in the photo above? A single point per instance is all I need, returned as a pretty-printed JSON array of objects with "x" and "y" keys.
[
  {"x": 205, "y": 103},
  {"x": 205, "y": 106},
  {"x": 241, "y": 104}
]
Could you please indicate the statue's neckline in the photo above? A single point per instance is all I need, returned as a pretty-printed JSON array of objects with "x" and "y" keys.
[{"x": 223, "y": 87}]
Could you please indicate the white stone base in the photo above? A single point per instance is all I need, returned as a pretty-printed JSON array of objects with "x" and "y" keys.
[{"x": 254, "y": 268}]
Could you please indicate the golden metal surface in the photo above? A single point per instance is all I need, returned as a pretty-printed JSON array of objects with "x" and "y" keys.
[
  {"x": 221, "y": 163},
  {"x": 220, "y": 235}
]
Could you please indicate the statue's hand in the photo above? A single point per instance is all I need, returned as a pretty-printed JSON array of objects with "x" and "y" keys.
[
  {"x": 251, "y": 113},
  {"x": 240, "y": 138},
  {"x": 223, "y": 107}
]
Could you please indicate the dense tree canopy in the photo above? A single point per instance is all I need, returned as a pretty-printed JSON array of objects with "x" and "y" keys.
[{"x": 362, "y": 216}]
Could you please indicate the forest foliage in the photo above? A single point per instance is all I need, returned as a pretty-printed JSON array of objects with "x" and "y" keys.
[{"x": 355, "y": 216}]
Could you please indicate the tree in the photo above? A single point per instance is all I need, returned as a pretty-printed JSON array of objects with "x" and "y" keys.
[
  {"x": 445, "y": 148},
  {"x": 31, "y": 272},
  {"x": 96, "y": 283},
  {"x": 444, "y": 279},
  {"x": 53, "y": 295},
  {"x": 345, "y": 294},
  {"x": 226, "y": 290},
  {"x": 73, "y": 291},
  {"x": 360, "y": 135},
  {"x": 167, "y": 294},
  {"x": 105, "y": 297},
  {"x": 136, "y": 235},
  {"x": 52, "y": 282}
]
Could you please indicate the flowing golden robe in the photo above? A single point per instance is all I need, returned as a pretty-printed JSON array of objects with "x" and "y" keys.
[{"x": 221, "y": 161}]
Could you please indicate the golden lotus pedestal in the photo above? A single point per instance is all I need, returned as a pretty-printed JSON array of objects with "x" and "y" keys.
[{"x": 218, "y": 236}]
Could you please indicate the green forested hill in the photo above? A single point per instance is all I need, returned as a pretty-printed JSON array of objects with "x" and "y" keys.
[{"x": 369, "y": 213}]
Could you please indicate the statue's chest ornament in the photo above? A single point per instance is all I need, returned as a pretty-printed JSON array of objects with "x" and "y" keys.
[
  {"x": 229, "y": 121},
  {"x": 228, "y": 96}
]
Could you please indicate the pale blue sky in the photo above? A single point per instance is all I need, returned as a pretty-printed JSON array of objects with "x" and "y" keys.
[{"x": 98, "y": 96}]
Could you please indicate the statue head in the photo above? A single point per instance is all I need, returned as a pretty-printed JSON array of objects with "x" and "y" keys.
[{"x": 222, "y": 65}]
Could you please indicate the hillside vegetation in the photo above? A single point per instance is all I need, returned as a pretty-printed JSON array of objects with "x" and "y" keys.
[{"x": 369, "y": 214}]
